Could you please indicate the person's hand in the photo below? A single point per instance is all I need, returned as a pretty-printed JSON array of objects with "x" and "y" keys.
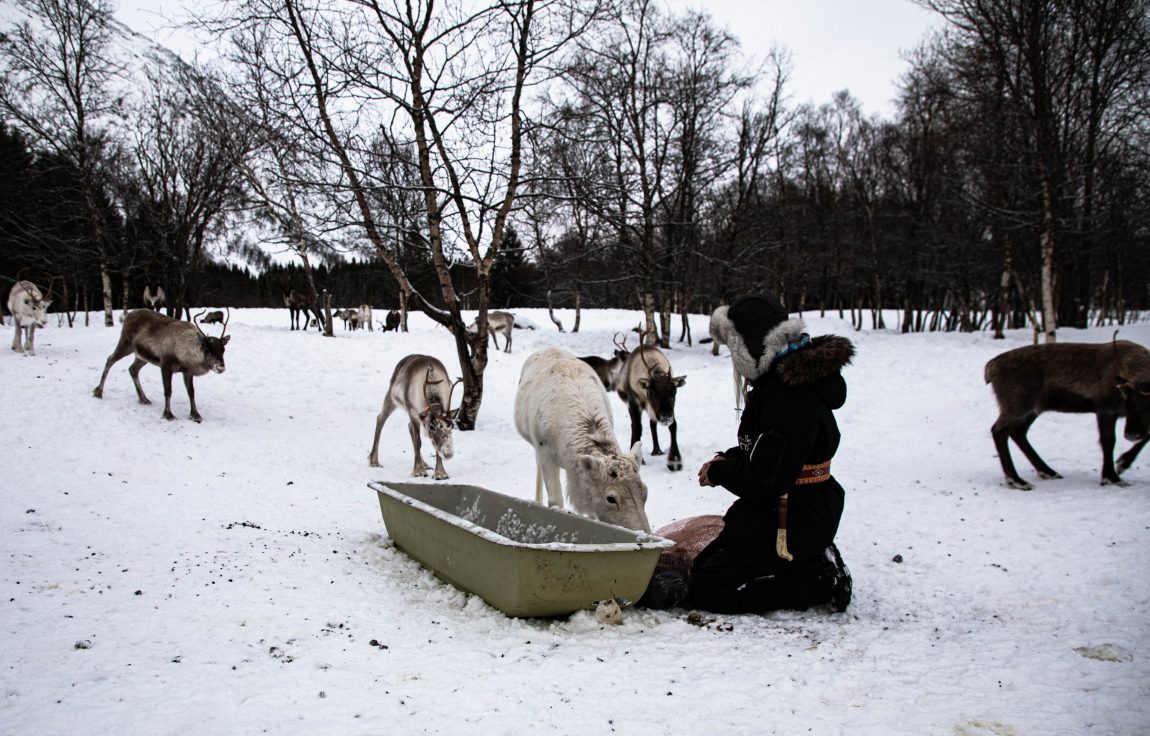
[{"x": 704, "y": 480}]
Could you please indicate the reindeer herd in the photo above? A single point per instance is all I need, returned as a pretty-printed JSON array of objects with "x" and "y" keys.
[{"x": 562, "y": 406}]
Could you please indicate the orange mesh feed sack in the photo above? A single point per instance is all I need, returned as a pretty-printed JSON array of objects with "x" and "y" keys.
[{"x": 690, "y": 536}]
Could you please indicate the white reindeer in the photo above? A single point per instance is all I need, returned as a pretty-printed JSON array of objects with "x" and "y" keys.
[
  {"x": 561, "y": 408},
  {"x": 29, "y": 310},
  {"x": 418, "y": 385},
  {"x": 497, "y": 323},
  {"x": 365, "y": 317}
]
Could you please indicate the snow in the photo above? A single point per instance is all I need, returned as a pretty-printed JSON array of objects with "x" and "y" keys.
[{"x": 235, "y": 576}]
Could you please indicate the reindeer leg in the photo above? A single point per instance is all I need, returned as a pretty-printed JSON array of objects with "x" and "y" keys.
[
  {"x": 166, "y": 374},
  {"x": 507, "y": 345},
  {"x": 636, "y": 423},
  {"x": 195, "y": 415},
  {"x": 420, "y": 468},
  {"x": 1019, "y": 436},
  {"x": 31, "y": 338},
  {"x": 440, "y": 471},
  {"x": 385, "y": 412},
  {"x": 134, "y": 372},
  {"x": 123, "y": 349},
  {"x": 1106, "y": 438},
  {"x": 1127, "y": 458},
  {"x": 17, "y": 343},
  {"x": 1001, "y": 434},
  {"x": 656, "y": 450},
  {"x": 549, "y": 470},
  {"x": 674, "y": 459}
]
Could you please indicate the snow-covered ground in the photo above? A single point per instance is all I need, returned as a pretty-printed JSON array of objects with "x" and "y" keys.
[{"x": 235, "y": 576}]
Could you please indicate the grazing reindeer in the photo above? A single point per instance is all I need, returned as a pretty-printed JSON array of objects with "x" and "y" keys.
[
  {"x": 497, "y": 322},
  {"x": 364, "y": 317},
  {"x": 418, "y": 385},
  {"x": 155, "y": 300},
  {"x": 29, "y": 310},
  {"x": 562, "y": 410},
  {"x": 299, "y": 303},
  {"x": 173, "y": 345},
  {"x": 391, "y": 322},
  {"x": 608, "y": 369},
  {"x": 347, "y": 315},
  {"x": 1108, "y": 380},
  {"x": 214, "y": 317},
  {"x": 646, "y": 384}
]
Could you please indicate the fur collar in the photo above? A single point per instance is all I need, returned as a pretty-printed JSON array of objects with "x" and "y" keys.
[{"x": 825, "y": 355}]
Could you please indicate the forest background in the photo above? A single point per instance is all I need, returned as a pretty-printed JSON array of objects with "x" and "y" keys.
[{"x": 613, "y": 154}]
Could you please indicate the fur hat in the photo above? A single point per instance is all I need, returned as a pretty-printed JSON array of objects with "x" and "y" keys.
[{"x": 756, "y": 328}]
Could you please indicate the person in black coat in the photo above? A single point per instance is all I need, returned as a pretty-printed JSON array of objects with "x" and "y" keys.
[{"x": 776, "y": 549}]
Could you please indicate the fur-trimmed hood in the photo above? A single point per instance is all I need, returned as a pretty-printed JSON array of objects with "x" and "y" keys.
[{"x": 824, "y": 356}]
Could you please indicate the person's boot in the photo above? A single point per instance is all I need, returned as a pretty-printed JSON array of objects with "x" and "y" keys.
[
  {"x": 666, "y": 590},
  {"x": 841, "y": 581}
]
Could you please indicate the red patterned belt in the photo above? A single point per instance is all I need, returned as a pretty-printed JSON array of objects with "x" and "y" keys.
[
  {"x": 808, "y": 475},
  {"x": 814, "y": 474}
]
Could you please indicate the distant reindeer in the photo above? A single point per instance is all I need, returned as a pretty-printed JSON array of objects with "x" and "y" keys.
[
  {"x": 391, "y": 322},
  {"x": 419, "y": 385},
  {"x": 646, "y": 385},
  {"x": 299, "y": 303},
  {"x": 214, "y": 317},
  {"x": 1108, "y": 380},
  {"x": 155, "y": 300},
  {"x": 562, "y": 410},
  {"x": 719, "y": 337},
  {"x": 497, "y": 322},
  {"x": 364, "y": 317},
  {"x": 29, "y": 310},
  {"x": 348, "y": 316},
  {"x": 173, "y": 345},
  {"x": 609, "y": 369}
]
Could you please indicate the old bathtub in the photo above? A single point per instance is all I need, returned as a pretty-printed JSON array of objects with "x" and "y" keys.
[{"x": 522, "y": 558}]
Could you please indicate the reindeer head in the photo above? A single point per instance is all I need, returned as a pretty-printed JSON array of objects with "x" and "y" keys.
[
  {"x": 661, "y": 388},
  {"x": 438, "y": 418},
  {"x": 618, "y": 495},
  {"x": 213, "y": 347}
]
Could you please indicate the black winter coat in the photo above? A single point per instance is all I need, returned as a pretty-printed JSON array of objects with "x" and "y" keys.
[{"x": 788, "y": 422}]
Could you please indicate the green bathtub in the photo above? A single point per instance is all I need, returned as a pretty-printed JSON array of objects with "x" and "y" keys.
[{"x": 522, "y": 558}]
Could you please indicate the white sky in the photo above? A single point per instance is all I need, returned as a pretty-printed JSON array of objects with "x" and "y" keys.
[{"x": 834, "y": 44}]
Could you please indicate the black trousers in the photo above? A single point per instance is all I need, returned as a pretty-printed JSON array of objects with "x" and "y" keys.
[{"x": 733, "y": 578}]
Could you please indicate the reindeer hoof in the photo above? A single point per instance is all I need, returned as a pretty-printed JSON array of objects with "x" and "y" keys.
[
  {"x": 1020, "y": 485},
  {"x": 169, "y": 416},
  {"x": 1052, "y": 475},
  {"x": 656, "y": 452},
  {"x": 196, "y": 418},
  {"x": 674, "y": 465},
  {"x": 441, "y": 476},
  {"x": 373, "y": 462},
  {"x": 146, "y": 402},
  {"x": 1116, "y": 482}
]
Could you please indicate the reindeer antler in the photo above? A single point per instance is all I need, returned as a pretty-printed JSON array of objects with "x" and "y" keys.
[
  {"x": 196, "y": 322},
  {"x": 227, "y": 316},
  {"x": 651, "y": 370},
  {"x": 621, "y": 345},
  {"x": 451, "y": 392}
]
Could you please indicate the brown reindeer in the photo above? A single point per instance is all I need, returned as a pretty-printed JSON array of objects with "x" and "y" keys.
[
  {"x": 609, "y": 369},
  {"x": 645, "y": 384},
  {"x": 419, "y": 385},
  {"x": 1108, "y": 380},
  {"x": 300, "y": 305},
  {"x": 173, "y": 345},
  {"x": 214, "y": 317}
]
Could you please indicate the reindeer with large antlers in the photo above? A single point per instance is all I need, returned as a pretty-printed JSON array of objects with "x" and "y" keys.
[
  {"x": 173, "y": 345},
  {"x": 645, "y": 384},
  {"x": 419, "y": 385}
]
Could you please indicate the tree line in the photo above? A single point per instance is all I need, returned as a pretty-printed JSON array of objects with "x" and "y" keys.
[{"x": 598, "y": 153}]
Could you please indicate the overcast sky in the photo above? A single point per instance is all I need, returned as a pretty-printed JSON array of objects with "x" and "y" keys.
[{"x": 834, "y": 44}]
